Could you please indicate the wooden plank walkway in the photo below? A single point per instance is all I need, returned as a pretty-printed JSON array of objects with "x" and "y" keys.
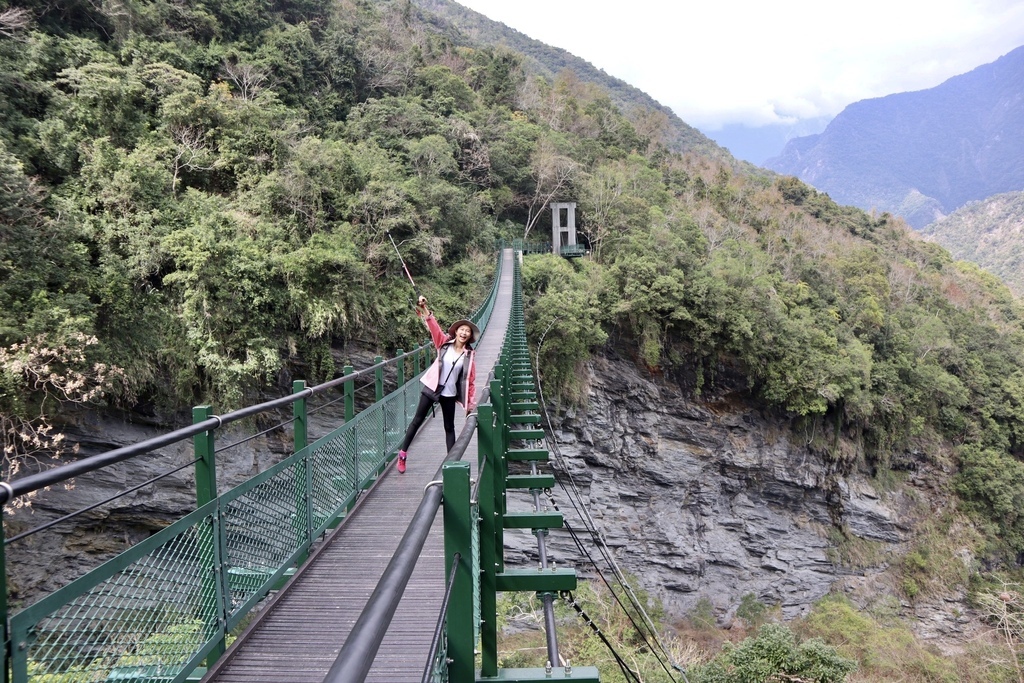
[{"x": 297, "y": 637}]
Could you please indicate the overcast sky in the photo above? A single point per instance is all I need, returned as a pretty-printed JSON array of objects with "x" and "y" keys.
[{"x": 762, "y": 62}]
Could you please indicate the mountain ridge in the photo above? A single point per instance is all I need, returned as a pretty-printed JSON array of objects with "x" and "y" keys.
[
  {"x": 921, "y": 154},
  {"x": 548, "y": 61},
  {"x": 990, "y": 233}
]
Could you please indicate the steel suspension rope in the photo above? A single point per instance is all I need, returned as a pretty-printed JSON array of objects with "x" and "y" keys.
[
  {"x": 599, "y": 541},
  {"x": 625, "y": 587},
  {"x": 546, "y": 598},
  {"x": 627, "y": 672}
]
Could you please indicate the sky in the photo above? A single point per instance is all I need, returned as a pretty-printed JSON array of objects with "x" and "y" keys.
[{"x": 734, "y": 67}]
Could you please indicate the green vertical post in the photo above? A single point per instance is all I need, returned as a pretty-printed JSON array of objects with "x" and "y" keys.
[
  {"x": 400, "y": 368},
  {"x": 300, "y": 439},
  {"x": 378, "y": 379},
  {"x": 206, "y": 470},
  {"x": 498, "y": 469},
  {"x": 206, "y": 491},
  {"x": 458, "y": 538},
  {"x": 378, "y": 396},
  {"x": 300, "y": 434},
  {"x": 489, "y": 548},
  {"x": 350, "y": 395},
  {"x": 351, "y": 442},
  {"x": 499, "y": 391}
]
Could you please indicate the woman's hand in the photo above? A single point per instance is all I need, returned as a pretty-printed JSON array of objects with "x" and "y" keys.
[{"x": 421, "y": 304}]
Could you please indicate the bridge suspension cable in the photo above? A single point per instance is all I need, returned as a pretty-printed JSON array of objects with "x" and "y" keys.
[{"x": 575, "y": 497}]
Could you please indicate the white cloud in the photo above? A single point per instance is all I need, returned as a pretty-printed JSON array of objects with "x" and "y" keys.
[{"x": 756, "y": 62}]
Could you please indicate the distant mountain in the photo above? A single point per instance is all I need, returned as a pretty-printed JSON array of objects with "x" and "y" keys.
[
  {"x": 988, "y": 232},
  {"x": 550, "y": 61},
  {"x": 922, "y": 154}
]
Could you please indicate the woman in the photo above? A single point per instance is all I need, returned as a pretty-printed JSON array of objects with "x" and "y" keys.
[{"x": 450, "y": 379}]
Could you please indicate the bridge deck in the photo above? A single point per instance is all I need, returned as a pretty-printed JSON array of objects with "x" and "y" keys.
[{"x": 297, "y": 637}]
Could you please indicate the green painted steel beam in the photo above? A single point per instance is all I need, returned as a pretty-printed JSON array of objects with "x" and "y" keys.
[
  {"x": 530, "y": 481},
  {"x": 527, "y": 454},
  {"x": 526, "y": 434},
  {"x": 579, "y": 674},
  {"x": 524, "y": 419},
  {"x": 536, "y": 580},
  {"x": 533, "y": 520},
  {"x": 524, "y": 405},
  {"x": 522, "y": 395}
]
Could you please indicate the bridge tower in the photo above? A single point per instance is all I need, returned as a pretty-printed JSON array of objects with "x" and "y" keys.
[{"x": 563, "y": 230}]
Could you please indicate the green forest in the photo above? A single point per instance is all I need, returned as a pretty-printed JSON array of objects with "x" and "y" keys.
[{"x": 198, "y": 197}]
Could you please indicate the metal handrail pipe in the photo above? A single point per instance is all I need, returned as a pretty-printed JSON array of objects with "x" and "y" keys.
[
  {"x": 40, "y": 480},
  {"x": 435, "y": 642},
  {"x": 356, "y": 657},
  {"x": 357, "y": 654}
]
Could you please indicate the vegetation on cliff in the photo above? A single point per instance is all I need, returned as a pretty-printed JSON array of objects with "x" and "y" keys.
[
  {"x": 197, "y": 201},
  {"x": 989, "y": 233}
]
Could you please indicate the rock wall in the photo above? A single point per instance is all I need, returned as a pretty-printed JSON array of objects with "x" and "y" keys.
[
  {"x": 47, "y": 560},
  {"x": 707, "y": 500},
  {"x": 698, "y": 499}
]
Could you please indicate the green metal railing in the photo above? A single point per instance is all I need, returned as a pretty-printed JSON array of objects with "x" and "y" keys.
[
  {"x": 523, "y": 247},
  {"x": 475, "y": 521},
  {"x": 568, "y": 251},
  {"x": 161, "y": 609}
]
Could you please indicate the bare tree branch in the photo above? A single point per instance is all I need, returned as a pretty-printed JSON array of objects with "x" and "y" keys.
[
  {"x": 14, "y": 20},
  {"x": 552, "y": 173},
  {"x": 249, "y": 80},
  {"x": 192, "y": 152}
]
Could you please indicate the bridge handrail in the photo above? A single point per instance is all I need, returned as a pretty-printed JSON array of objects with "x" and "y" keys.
[
  {"x": 355, "y": 659},
  {"x": 220, "y": 559},
  {"x": 357, "y": 654}
]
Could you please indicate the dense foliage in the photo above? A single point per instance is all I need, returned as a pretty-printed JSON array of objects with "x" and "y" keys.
[
  {"x": 206, "y": 190},
  {"x": 990, "y": 233}
]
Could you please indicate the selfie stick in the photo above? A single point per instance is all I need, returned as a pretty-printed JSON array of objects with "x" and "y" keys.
[{"x": 415, "y": 291}]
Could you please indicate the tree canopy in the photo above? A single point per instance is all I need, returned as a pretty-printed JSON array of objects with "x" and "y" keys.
[{"x": 205, "y": 192}]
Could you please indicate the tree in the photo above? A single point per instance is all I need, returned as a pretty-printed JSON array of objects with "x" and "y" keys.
[
  {"x": 38, "y": 378},
  {"x": 14, "y": 20},
  {"x": 1004, "y": 611},
  {"x": 564, "y": 321},
  {"x": 773, "y": 655},
  {"x": 552, "y": 174}
]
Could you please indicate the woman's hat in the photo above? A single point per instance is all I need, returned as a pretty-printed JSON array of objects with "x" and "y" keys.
[{"x": 459, "y": 323}]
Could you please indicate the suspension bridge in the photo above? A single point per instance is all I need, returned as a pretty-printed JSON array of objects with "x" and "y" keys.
[{"x": 329, "y": 565}]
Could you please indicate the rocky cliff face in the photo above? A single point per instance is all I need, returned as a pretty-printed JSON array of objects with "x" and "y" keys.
[
  {"x": 697, "y": 499},
  {"x": 43, "y": 562},
  {"x": 713, "y": 501}
]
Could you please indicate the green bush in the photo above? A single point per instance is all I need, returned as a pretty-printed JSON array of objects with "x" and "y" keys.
[{"x": 772, "y": 654}]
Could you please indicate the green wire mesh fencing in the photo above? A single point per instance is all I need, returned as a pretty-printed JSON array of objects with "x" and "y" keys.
[{"x": 162, "y": 608}]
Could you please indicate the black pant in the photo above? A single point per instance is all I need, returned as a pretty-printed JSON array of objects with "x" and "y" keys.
[{"x": 447, "y": 413}]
